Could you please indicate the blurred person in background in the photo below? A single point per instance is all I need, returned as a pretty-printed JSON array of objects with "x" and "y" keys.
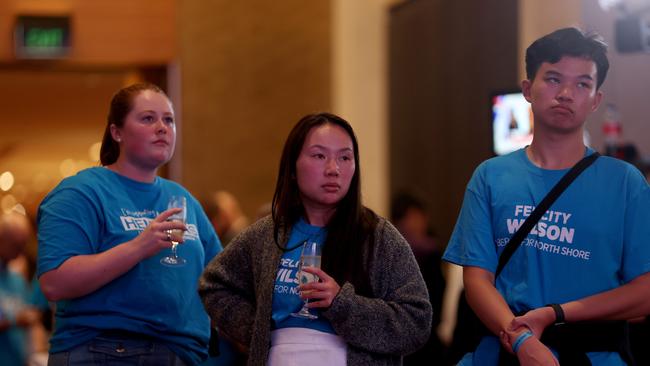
[
  {"x": 228, "y": 220},
  {"x": 225, "y": 214},
  {"x": 17, "y": 316},
  {"x": 410, "y": 217},
  {"x": 449, "y": 331},
  {"x": 103, "y": 235},
  {"x": 370, "y": 303},
  {"x": 263, "y": 210},
  {"x": 25, "y": 264}
]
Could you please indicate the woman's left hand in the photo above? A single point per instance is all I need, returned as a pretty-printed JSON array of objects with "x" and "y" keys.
[{"x": 324, "y": 291}]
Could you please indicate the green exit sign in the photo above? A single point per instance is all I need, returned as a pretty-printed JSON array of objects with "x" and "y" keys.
[{"x": 43, "y": 37}]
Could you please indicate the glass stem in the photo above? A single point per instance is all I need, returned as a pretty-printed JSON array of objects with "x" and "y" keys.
[{"x": 174, "y": 245}]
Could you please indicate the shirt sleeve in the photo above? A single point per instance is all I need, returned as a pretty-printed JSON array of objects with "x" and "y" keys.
[
  {"x": 636, "y": 238},
  {"x": 68, "y": 225},
  {"x": 472, "y": 241}
]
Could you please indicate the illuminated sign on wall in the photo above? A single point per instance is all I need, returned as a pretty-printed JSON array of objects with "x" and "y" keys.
[{"x": 42, "y": 37}]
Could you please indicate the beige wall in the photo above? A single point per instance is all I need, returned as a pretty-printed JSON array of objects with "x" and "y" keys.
[
  {"x": 249, "y": 71},
  {"x": 360, "y": 87}
]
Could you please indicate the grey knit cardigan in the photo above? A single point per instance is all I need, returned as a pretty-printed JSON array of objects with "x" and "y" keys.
[{"x": 237, "y": 291}]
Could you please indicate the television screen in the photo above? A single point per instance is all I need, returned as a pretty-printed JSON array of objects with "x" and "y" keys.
[{"x": 512, "y": 122}]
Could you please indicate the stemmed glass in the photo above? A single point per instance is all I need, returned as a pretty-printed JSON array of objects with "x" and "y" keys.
[
  {"x": 310, "y": 257},
  {"x": 176, "y": 234}
]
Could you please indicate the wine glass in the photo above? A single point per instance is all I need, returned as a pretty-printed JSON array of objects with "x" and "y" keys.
[
  {"x": 310, "y": 257},
  {"x": 176, "y": 235}
]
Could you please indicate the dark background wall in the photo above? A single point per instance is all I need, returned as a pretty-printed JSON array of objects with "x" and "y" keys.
[{"x": 446, "y": 58}]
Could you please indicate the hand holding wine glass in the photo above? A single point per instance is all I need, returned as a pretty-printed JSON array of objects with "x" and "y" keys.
[
  {"x": 310, "y": 257},
  {"x": 176, "y": 235},
  {"x": 321, "y": 293}
]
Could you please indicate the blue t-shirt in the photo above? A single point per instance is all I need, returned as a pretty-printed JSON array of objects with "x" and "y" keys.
[
  {"x": 286, "y": 298},
  {"x": 98, "y": 209},
  {"x": 592, "y": 239},
  {"x": 14, "y": 296}
]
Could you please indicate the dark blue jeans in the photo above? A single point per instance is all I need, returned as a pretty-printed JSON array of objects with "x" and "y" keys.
[{"x": 117, "y": 350}]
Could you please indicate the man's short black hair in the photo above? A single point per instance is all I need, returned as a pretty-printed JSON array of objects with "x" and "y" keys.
[{"x": 568, "y": 42}]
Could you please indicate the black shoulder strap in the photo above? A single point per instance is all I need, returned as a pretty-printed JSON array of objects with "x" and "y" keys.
[{"x": 543, "y": 206}]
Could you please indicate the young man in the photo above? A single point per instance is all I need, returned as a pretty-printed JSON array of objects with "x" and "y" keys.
[{"x": 589, "y": 253}]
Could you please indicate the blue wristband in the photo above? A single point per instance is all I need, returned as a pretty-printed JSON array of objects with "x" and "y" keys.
[{"x": 520, "y": 340}]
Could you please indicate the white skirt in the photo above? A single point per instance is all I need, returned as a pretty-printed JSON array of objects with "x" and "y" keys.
[{"x": 303, "y": 346}]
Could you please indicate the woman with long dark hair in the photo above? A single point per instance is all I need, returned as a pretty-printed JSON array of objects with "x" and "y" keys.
[
  {"x": 122, "y": 296},
  {"x": 370, "y": 305}
]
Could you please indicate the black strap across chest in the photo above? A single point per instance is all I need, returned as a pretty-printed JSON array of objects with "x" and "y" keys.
[{"x": 543, "y": 206}]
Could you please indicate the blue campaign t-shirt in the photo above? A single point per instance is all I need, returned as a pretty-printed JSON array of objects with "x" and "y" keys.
[
  {"x": 592, "y": 239},
  {"x": 286, "y": 298},
  {"x": 98, "y": 209}
]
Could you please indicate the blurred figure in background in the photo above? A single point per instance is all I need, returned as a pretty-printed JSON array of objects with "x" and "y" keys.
[
  {"x": 41, "y": 331},
  {"x": 264, "y": 210},
  {"x": 17, "y": 317},
  {"x": 449, "y": 314},
  {"x": 227, "y": 218},
  {"x": 412, "y": 220},
  {"x": 225, "y": 214}
]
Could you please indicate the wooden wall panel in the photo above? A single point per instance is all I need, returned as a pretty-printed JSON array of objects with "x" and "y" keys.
[
  {"x": 105, "y": 32},
  {"x": 250, "y": 70}
]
